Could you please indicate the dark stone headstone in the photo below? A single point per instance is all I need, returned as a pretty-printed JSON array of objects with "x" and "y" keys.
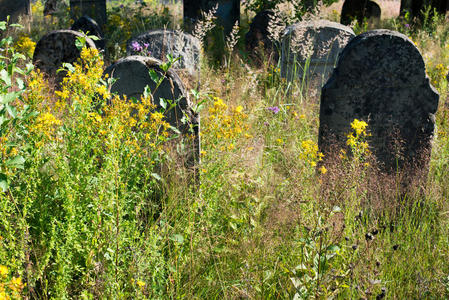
[
  {"x": 160, "y": 42},
  {"x": 359, "y": 10},
  {"x": 381, "y": 79},
  {"x": 50, "y": 7},
  {"x": 317, "y": 43},
  {"x": 96, "y": 9},
  {"x": 228, "y": 12},
  {"x": 88, "y": 25},
  {"x": 56, "y": 48},
  {"x": 14, "y": 8},
  {"x": 132, "y": 76},
  {"x": 258, "y": 37}
]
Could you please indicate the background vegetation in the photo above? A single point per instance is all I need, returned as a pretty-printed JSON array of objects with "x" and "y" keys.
[{"x": 94, "y": 202}]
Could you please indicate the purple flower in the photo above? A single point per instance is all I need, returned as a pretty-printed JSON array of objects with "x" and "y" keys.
[
  {"x": 146, "y": 45},
  {"x": 136, "y": 46},
  {"x": 407, "y": 25},
  {"x": 273, "y": 109},
  {"x": 266, "y": 124}
]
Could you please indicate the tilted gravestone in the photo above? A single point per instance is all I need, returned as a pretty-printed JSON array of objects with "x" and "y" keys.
[
  {"x": 310, "y": 50},
  {"x": 258, "y": 38},
  {"x": 359, "y": 10},
  {"x": 90, "y": 27},
  {"x": 228, "y": 12},
  {"x": 14, "y": 8},
  {"x": 160, "y": 42},
  {"x": 96, "y": 9},
  {"x": 56, "y": 48},
  {"x": 381, "y": 79},
  {"x": 132, "y": 76}
]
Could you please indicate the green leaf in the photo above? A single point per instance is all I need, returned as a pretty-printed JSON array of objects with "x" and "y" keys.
[
  {"x": 2, "y": 25},
  {"x": 5, "y": 77},
  {"x": 3, "y": 182},
  {"x": 177, "y": 238},
  {"x": 156, "y": 176},
  {"x": 16, "y": 162},
  {"x": 11, "y": 110},
  {"x": 154, "y": 75},
  {"x": 67, "y": 66},
  {"x": 163, "y": 103}
]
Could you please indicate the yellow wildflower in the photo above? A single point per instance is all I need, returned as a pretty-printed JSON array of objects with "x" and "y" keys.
[{"x": 3, "y": 271}]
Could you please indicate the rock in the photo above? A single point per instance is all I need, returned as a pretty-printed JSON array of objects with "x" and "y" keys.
[
  {"x": 14, "y": 8},
  {"x": 321, "y": 41},
  {"x": 359, "y": 10},
  {"x": 228, "y": 12},
  {"x": 88, "y": 25},
  {"x": 50, "y": 7},
  {"x": 158, "y": 43},
  {"x": 56, "y": 48},
  {"x": 380, "y": 78},
  {"x": 96, "y": 9},
  {"x": 132, "y": 76},
  {"x": 258, "y": 37}
]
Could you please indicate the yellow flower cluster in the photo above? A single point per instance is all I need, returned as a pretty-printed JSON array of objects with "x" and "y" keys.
[
  {"x": 10, "y": 289},
  {"x": 46, "y": 124},
  {"x": 224, "y": 125},
  {"x": 356, "y": 139},
  {"x": 310, "y": 153},
  {"x": 25, "y": 46}
]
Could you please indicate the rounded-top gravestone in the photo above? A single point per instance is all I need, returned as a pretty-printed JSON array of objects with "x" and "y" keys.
[
  {"x": 132, "y": 76},
  {"x": 90, "y": 27},
  {"x": 14, "y": 8},
  {"x": 310, "y": 50},
  {"x": 160, "y": 42},
  {"x": 381, "y": 79},
  {"x": 359, "y": 10},
  {"x": 56, "y": 48}
]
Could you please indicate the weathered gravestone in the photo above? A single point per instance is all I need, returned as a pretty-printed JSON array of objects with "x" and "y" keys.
[
  {"x": 89, "y": 26},
  {"x": 359, "y": 10},
  {"x": 56, "y": 48},
  {"x": 160, "y": 42},
  {"x": 14, "y": 8},
  {"x": 132, "y": 76},
  {"x": 258, "y": 37},
  {"x": 96, "y": 9},
  {"x": 380, "y": 78},
  {"x": 50, "y": 7},
  {"x": 228, "y": 12},
  {"x": 310, "y": 50}
]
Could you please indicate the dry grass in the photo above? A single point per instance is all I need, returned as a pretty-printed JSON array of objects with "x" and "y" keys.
[{"x": 389, "y": 8}]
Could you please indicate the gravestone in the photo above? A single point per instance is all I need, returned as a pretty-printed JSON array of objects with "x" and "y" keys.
[
  {"x": 96, "y": 9},
  {"x": 160, "y": 42},
  {"x": 14, "y": 8},
  {"x": 56, "y": 48},
  {"x": 50, "y": 7},
  {"x": 258, "y": 37},
  {"x": 317, "y": 43},
  {"x": 359, "y": 10},
  {"x": 380, "y": 78},
  {"x": 88, "y": 25},
  {"x": 132, "y": 76},
  {"x": 228, "y": 12}
]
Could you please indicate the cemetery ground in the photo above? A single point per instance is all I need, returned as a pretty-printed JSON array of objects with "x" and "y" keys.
[{"x": 96, "y": 201}]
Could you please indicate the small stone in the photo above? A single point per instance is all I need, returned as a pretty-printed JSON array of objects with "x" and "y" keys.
[{"x": 160, "y": 42}]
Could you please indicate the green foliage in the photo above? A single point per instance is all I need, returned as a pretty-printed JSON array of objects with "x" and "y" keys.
[
  {"x": 301, "y": 7},
  {"x": 96, "y": 204}
]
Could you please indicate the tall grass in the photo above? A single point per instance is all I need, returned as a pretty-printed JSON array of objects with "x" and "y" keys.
[{"x": 99, "y": 207}]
